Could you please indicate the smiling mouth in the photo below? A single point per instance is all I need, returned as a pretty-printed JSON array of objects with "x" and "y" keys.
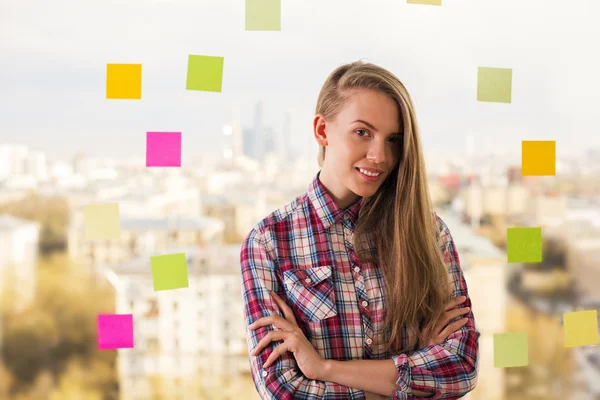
[{"x": 369, "y": 178}]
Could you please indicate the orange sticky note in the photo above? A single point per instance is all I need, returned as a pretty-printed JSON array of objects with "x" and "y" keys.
[
  {"x": 124, "y": 81},
  {"x": 538, "y": 158}
]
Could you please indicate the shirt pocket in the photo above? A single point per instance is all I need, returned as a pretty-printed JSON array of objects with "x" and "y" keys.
[{"x": 311, "y": 292}]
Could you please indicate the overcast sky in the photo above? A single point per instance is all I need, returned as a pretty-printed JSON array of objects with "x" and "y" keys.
[{"x": 53, "y": 57}]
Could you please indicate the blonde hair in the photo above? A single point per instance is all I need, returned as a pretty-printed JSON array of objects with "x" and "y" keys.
[{"x": 399, "y": 215}]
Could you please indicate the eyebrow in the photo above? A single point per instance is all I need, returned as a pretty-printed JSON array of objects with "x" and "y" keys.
[{"x": 371, "y": 126}]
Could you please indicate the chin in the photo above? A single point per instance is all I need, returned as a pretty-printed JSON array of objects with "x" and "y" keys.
[{"x": 364, "y": 191}]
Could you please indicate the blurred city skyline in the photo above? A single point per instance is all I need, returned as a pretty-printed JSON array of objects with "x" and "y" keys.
[{"x": 54, "y": 60}]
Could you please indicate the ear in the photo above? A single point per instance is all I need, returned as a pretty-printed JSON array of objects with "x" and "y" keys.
[{"x": 320, "y": 130}]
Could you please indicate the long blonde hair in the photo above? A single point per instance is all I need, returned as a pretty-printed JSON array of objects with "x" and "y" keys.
[{"x": 399, "y": 218}]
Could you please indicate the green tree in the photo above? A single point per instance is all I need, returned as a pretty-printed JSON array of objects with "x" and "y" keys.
[
  {"x": 59, "y": 327},
  {"x": 52, "y": 212}
]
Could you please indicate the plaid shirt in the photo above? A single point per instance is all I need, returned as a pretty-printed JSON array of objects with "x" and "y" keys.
[{"x": 304, "y": 252}]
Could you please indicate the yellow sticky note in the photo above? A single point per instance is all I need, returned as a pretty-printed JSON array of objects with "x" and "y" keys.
[
  {"x": 124, "y": 81},
  {"x": 494, "y": 85},
  {"x": 426, "y": 2},
  {"x": 511, "y": 349},
  {"x": 581, "y": 328},
  {"x": 102, "y": 221},
  {"x": 538, "y": 158},
  {"x": 263, "y": 15}
]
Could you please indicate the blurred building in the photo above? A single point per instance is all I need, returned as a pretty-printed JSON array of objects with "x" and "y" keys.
[
  {"x": 189, "y": 342},
  {"x": 580, "y": 231},
  {"x": 20, "y": 167},
  {"x": 513, "y": 201},
  {"x": 486, "y": 271},
  {"x": 582, "y": 263},
  {"x": 18, "y": 258},
  {"x": 142, "y": 237},
  {"x": 238, "y": 213},
  {"x": 12, "y": 195}
]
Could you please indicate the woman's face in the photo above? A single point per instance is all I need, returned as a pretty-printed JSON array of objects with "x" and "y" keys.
[{"x": 365, "y": 134}]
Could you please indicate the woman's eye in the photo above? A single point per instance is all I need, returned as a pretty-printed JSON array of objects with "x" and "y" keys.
[{"x": 361, "y": 130}]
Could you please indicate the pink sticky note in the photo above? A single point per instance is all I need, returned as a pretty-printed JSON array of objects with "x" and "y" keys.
[
  {"x": 163, "y": 149},
  {"x": 115, "y": 331}
]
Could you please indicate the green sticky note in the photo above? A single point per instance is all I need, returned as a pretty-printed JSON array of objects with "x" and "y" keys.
[
  {"x": 101, "y": 221},
  {"x": 511, "y": 349},
  {"x": 524, "y": 245},
  {"x": 581, "y": 328},
  {"x": 205, "y": 73},
  {"x": 263, "y": 15},
  {"x": 426, "y": 2},
  {"x": 169, "y": 271},
  {"x": 538, "y": 158},
  {"x": 494, "y": 84}
]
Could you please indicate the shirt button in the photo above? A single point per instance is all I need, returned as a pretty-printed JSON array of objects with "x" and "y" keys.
[
  {"x": 365, "y": 303},
  {"x": 264, "y": 374},
  {"x": 307, "y": 280},
  {"x": 369, "y": 341},
  {"x": 356, "y": 269}
]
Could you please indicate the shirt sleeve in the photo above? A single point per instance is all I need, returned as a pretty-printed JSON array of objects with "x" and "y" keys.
[
  {"x": 283, "y": 379},
  {"x": 448, "y": 370}
]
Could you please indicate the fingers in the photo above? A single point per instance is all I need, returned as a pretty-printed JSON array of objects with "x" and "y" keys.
[
  {"x": 270, "y": 320},
  {"x": 274, "y": 320},
  {"x": 278, "y": 351},
  {"x": 450, "y": 315},
  {"x": 287, "y": 311},
  {"x": 271, "y": 336},
  {"x": 455, "y": 301},
  {"x": 453, "y": 327}
]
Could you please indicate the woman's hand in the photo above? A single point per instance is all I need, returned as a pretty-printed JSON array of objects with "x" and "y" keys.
[
  {"x": 441, "y": 330},
  {"x": 308, "y": 359}
]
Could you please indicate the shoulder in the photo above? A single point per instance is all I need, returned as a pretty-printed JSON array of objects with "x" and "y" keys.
[{"x": 443, "y": 235}]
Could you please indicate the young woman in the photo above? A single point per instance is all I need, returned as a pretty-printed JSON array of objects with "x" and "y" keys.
[{"x": 354, "y": 289}]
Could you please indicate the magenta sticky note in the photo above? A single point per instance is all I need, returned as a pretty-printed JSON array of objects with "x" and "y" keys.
[
  {"x": 163, "y": 149},
  {"x": 115, "y": 331}
]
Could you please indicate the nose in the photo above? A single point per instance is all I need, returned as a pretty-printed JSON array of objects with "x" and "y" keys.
[{"x": 376, "y": 152}]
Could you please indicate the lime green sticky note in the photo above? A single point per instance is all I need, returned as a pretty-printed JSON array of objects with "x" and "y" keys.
[
  {"x": 426, "y": 2},
  {"x": 124, "y": 81},
  {"x": 494, "y": 84},
  {"x": 263, "y": 15},
  {"x": 538, "y": 158},
  {"x": 524, "y": 245},
  {"x": 169, "y": 271},
  {"x": 205, "y": 73},
  {"x": 101, "y": 221},
  {"x": 581, "y": 328},
  {"x": 511, "y": 350}
]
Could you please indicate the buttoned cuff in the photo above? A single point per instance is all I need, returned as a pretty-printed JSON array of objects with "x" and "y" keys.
[{"x": 403, "y": 369}]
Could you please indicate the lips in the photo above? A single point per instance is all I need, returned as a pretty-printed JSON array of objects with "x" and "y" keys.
[
  {"x": 379, "y": 172},
  {"x": 369, "y": 178}
]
